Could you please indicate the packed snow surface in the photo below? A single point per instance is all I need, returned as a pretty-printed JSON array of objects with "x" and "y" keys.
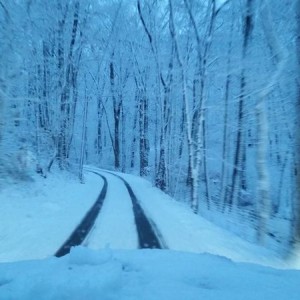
[{"x": 116, "y": 228}]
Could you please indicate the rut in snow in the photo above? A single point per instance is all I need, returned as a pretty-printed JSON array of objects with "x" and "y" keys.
[
  {"x": 84, "y": 227},
  {"x": 148, "y": 234}
]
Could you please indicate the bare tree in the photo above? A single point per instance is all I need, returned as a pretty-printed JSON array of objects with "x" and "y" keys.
[
  {"x": 163, "y": 92},
  {"x": 65, "y": 100},
  {"x": 296, "y": 231}
]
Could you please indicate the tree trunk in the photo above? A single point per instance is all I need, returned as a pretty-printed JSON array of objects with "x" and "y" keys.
[
  {"x": 297, "y": 130},
  {"x": 237, "y": 181},
  {"x": 143, "y": 126},
  {"x": 83, "y": 136},
  {"x": 117, "y": 115},
  {"x": 224, "y": 171}
]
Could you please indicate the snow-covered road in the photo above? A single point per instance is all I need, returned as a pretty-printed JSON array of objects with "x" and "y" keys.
[
  {"x": 45, "y": 213},
  {"x": 123, "y": 224},
  {"x": 39, "y": 216},
  {"x": 115, "y": 227}
]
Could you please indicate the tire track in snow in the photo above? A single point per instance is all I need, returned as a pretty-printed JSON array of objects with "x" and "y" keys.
[
  {"x": 84, "y": 227},
  {"x": 148, "y": 233},
  {"x": 115, "y": 227}
]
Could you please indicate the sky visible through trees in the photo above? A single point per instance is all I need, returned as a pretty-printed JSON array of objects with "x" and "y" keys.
[{"x": 200, "y": 97}]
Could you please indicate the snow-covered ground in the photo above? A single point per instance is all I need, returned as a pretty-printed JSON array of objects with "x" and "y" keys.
[
  {"x": 38, "y": 216},
  {"x": 116, "y": 228},
  {"x": 184, "y": 231},
  {"x": 208, "y": 262},
  {"x": 87, "y": 274}
]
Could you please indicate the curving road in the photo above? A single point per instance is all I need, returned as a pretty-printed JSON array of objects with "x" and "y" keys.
[{"x": 148, "y": 235}]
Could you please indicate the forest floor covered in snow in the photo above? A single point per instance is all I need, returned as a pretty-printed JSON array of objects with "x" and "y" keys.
[{"x": 203, "y": 261}]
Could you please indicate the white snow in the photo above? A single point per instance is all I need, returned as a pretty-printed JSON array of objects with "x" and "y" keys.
[
  {"x": 184, "y": 231},
  {"x": 144, "y": 274},
  {"x": 116, "y": 228},
  {"x": 203, "y": 260},
  {"x": 37, "y": 217}
]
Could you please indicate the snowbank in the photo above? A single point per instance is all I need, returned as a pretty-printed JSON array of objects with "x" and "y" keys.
[{"x": 144, "y": 274}]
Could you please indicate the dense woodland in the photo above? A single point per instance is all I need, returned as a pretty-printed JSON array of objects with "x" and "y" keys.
[{"x": 200, "y": 97}]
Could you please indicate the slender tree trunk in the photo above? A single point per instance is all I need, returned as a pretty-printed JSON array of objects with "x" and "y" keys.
[
  {"x": 100, "y": 112},
  {"x": 297, "y": 130},
  {"x": 99, "y": 130},
  {"x": 60, "y": 67},
  {"x": 225, "y": 150},
  {"x": 117, "y": 115},
  {"x": 124, "y": 144},
  {"x": 133, "y": 144},
  {"x": 65, "y": 101},
  {"x": 237, "y": 182},
  {"x": 191, "y": 153},
  {"x": 143, "y": 126},
  {"x": 83, "y": 136}
]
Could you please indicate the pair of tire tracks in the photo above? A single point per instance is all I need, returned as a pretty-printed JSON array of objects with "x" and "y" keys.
[{"x": 148, "y": 234}]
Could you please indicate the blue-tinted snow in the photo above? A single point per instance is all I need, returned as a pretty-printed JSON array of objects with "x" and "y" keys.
[{"x": 144, "y": 274}]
